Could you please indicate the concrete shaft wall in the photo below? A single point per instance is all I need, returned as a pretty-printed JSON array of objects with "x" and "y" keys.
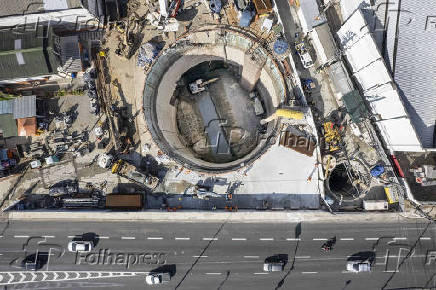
[{"x": 195, "y": 49}]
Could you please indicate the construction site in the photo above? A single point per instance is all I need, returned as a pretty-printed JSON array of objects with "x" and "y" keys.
[{"x": 217, "y": 105}]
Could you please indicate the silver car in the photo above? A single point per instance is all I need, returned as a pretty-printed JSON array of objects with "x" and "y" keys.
[
  {"x": 359, "y": 266},
  {"x": 80, "y": 246},
  {"x": 273, "y": 266}
]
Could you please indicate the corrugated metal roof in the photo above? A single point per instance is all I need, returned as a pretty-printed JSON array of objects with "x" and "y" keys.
[
  {"x": 70, "y": 54},
  {"x": 37, "y": 62},
  {"x": 25, "y": 107},
  {"x": 95, "y": 7},
  {"x": 310, "y": 11},
  {"x": 23, "y": 54},
  {"x": 8, "y": 126},
  {"x": 414, "y": 65},
  {"x": 23, "y": 7},
  {"x": 6, "y": 107}
]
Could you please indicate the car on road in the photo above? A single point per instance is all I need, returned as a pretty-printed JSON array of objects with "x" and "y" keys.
[
  {"x": 274, "y": 266},
  {"x": 80, "y": 246},
  {"x": 35, "y": 261},
  {"x": 157, "y": 278},
  {"x": 358, "y": 266}
]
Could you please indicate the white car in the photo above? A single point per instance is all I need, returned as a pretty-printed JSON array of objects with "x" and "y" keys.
[
  {"x": 157, "y": 278},
  {"x": 273, "y": 266},
  {"x": 80, "y": 246},
  {"x": 359, "y": 266}
]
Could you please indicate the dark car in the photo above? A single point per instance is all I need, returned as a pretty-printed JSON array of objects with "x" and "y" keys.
[
  {"x": 68, "y": 186},
  {"x": 35, "y": 261}
]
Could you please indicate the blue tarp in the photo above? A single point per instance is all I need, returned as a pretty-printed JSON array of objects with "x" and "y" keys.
[
  {"x": 246, "y": 17},
  {"x": 377, "y": 170},
  {"x": 280, "y": 46}
]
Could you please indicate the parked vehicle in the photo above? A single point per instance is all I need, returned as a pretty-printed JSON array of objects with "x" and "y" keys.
[
  {"x": 68, "y": 186},
  {"x": 157, "y": 278},
  {"x": 80, "y": 246},
  {"x": 358, "y": 266},
  {"x": 303, "y": 53},
  {"x": 306, "y": 60}
]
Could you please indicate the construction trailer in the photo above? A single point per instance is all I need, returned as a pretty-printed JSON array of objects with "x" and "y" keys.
[
  {"x": 375, "y": 205},
  {"x": 124, "y": 201}
]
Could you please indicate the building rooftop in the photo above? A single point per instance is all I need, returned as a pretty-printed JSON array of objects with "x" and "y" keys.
[
  {"x": 23, "y": 7},
  {"x": 414, "y": 62},
  {"x": 6, "y": 107},
  {"x": 25, "y": 107},
  {"x": 404, "y": 33},
  {"x": 8, "y": 125},
  {"x": 26, "y": 54}
]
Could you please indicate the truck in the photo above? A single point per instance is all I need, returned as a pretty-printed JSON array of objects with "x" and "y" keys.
[
  {"x": 124, "y": 201},
  {"x": 130, "y": 172},
  {"x": 303, "y": 53}
]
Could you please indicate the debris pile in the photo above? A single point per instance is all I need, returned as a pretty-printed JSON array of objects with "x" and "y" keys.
[{"x": 147, "y": 53}]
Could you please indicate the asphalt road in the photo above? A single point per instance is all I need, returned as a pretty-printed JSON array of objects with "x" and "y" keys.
[{"x": 218, "y": 256}]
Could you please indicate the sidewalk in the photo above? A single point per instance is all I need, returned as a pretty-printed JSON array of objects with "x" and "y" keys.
[{"x": 232, "y": 217}]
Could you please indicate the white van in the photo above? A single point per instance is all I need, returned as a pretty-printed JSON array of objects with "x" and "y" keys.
[{"x": 306, "y": 60}]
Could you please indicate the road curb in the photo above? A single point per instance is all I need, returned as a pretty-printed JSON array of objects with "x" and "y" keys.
[{"x": 196, "y": 216}]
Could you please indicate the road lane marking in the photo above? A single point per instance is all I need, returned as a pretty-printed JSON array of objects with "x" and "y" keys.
[
  {"x": 199, "y": 256},
  {"x": 21, "y": 236},
  {"x": 347, "y": 239},
  {"x": 183, "y": 239},
  {"x": 48, "y": 236},
  {"x": 72, "y": 237},
  {"x": 261, "y": 273},
  {"x": 127, "y": 238},
  {"x": 425, "y": 238},
  {"x": 293, "y": 239},
  {"x": 103, "y": 237},
  {"x": 302, "y": 257},
  {"x": 266, "y": 239},
  {"x": 210, "y": 239},
  {"x": 239, "y": 239},
  {"x": 154, "y": 238},
  {"x": 251, "y": 257},
  {"x": 1, "y": 237},
  {"x": 309, "y": 272},
  {"x": 319, "y": 239},
  {"x": 371, "y": 239},
  {"x": 400, "y": 238},
  {"x": 213, "y": 273}
]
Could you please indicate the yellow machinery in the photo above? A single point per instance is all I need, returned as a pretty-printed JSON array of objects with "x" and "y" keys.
[
  {"x": 284, "y": 113},
  {"x": 117, "y": 166},
  {"x": 390, "y": 196},
  {"x": 331, "y": 136}
]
